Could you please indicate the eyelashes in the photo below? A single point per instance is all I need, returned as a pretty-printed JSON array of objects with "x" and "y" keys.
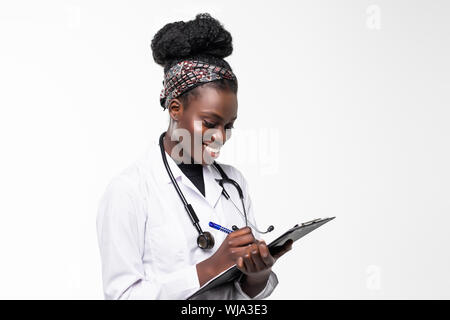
[
  {"x": 209, "y": 124},
  {"x": 212, "y": 125}
]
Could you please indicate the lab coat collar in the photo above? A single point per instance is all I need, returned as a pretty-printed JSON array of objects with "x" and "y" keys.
[{"x": 213, "y": 190}]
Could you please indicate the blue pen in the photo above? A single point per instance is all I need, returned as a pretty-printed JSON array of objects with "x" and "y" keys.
[{"x": 219, "y": 227}]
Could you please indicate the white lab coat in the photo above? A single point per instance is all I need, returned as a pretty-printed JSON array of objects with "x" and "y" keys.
[{"x": 147, "y": 242}]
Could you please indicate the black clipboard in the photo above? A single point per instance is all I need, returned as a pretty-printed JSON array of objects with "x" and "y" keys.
[{"x": 295, "y": 233}]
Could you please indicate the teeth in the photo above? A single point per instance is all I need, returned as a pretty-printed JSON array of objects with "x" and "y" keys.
[{"x": 209, "y": 149}]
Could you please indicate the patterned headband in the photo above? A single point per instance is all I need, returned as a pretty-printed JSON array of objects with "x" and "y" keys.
[{"x": 188, "y": 74}]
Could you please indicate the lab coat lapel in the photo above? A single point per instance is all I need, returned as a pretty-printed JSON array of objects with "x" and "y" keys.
[
  {"x": 180, "y": 177},
  {"x": 213, "y": 190}
]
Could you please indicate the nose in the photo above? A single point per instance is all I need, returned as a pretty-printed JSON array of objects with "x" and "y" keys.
[{"x": 219, "y": 137}]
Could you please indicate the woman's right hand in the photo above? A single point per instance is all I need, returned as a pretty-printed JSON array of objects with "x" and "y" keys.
[{"x": 234, "y": 246}]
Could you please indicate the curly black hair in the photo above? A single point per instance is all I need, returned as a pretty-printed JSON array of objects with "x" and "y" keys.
[{"x": 203, "y": 38}]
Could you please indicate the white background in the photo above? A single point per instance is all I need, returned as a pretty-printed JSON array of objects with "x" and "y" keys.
[{"x": 355, "y": 95}]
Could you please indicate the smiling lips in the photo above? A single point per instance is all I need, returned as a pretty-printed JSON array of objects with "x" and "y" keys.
[{"x": 214, "y": 152}]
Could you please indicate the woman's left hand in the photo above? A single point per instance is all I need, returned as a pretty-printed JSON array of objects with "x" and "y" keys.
[{"x": 257, "y": 261}]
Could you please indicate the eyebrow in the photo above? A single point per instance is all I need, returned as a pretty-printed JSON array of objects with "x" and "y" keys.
[{"x": 215, "y": 115}]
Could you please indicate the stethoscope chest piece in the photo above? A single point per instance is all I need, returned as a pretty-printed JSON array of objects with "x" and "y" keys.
[{"x": 205, "y": 240}]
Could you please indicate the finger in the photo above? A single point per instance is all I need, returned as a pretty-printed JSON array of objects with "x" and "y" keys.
[
  {"x": 237, "y": 252},
  {"x": 242, "y": 240},
  {"x": 240, "y": 232},
  {"x": 287, "y": 246},
  {"x": 240, "y": 264},
  {"x": 249, "y": 266},
  {"x": 257, "y": 260},
  {"x": 265, "y": 254}
]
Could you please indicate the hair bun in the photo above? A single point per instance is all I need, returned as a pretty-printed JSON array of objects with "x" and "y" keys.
[{"x": 202, "y": 36}]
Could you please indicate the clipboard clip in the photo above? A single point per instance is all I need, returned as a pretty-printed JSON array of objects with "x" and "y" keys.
[{"x": 310, "y": 222}]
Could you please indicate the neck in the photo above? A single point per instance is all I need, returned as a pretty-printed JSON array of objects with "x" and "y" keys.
[{"x": 168, "y": 144}]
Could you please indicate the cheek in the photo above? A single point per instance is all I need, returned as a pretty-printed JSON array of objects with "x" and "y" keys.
[{"x": 196, "y": 131}]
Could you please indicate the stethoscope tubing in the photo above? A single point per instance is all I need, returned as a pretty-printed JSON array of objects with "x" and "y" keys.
[{"x": 225, "y": 179}]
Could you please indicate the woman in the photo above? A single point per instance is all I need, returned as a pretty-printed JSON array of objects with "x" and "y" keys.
[{"x": 149, "y": 246}]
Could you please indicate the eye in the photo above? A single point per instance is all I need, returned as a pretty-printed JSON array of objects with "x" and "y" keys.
[
  {"x": 209, "y": 124},
  {"x": 230, "y": 127}
]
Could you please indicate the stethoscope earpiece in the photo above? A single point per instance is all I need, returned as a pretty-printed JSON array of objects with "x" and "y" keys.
[{"x": 269, "y": 229}]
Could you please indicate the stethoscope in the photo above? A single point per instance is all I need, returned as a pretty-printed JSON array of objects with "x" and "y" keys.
[{"x": 205, "y": 239}]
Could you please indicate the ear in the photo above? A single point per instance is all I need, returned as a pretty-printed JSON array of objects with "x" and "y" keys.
[{"x": 175, "y": 109}]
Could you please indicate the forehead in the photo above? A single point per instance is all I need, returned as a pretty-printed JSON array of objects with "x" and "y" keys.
[{"x": 215, "y": 102}]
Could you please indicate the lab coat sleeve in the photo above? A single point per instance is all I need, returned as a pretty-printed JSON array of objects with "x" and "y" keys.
[
  {"x": 272, "y": 282},
  {"x": 121, "y": 231}
]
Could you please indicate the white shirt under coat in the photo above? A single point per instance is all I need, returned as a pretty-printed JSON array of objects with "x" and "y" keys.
[{"x": 148, "y": 244}]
